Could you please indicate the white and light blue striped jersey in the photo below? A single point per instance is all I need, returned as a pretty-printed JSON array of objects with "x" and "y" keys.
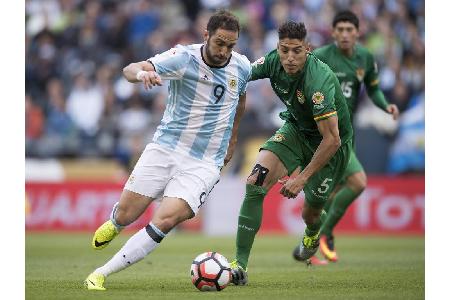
[{"x": 202, "y": 101}]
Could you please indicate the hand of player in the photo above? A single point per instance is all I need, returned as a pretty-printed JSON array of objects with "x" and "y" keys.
[
  {"x": 149, "y": 78},
  {"x": 227, "y": 158},
  {"x": 292, "y": 186},
  {"x": 393, "y": 110}
]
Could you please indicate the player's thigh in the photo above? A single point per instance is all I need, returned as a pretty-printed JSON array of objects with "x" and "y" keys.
[
  {"x": 353, "y": 166},
  {"x": 170, "y": 213},
  {"x": 152, "y": 172},
  {"x": 131, "y": 206},
  {"x": 267, "y": 170},
  {"x": 355, "y": 177},
  {"x": 193, "y": 182},
  {"x": 352, "y": 174},
  {"x": 281, "y": 155},
  {"x": 321, "y": 185}
]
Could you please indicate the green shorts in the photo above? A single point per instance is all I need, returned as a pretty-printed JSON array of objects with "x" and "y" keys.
[
  {"x": 354, "y": 166},
  {"x": 293, "y": 149}
]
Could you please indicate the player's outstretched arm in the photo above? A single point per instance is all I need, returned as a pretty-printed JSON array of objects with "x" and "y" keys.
[
  {"x": 234, "y": 133},
  {"x": 142, "y": 71},
  {"x": 392, "y": 109},
  {"x": 327, "y": 148},
  {"x": 377, "y": 97}
]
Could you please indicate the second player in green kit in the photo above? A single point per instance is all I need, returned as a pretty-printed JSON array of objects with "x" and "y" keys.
[
  {"x": 354, "y": 66},
  {"x": 307, "y": 102},
  {"x": 313, "y": 146}
]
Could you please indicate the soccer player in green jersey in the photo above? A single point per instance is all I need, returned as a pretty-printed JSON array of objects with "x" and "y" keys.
[
  {"x": 312, "y": 147},
  {"x": 353, "y": 65}
]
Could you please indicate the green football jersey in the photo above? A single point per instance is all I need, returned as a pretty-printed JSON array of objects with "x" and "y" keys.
[
  {"x": 351, "y": 71},
  {"x": 310, "y": 95}
]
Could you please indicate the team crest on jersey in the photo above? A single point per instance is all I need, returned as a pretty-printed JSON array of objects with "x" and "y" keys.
[
  {"x": 300, "y": 97},
  {"x": 259, "y": 61},
  {"x": 317, "y": 98},
  {"x": 232, "y": 83},
  {"x": 360, "y": 74},
  {"x": 278, "y": 137}
]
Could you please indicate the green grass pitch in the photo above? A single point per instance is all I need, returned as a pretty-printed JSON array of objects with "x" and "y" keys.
[{"x": 369, "y": 268}]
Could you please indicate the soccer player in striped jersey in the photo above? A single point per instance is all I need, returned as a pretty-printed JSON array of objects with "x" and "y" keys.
[
  {"x": 312, "y": 147},
  {"x": 353, "y": 65},
  {"x": 196, "y": 137}
]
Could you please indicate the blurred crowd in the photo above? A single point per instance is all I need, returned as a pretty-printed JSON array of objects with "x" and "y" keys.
[{"x": 79, "y": 105}]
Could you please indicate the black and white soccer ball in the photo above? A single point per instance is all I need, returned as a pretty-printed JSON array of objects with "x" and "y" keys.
[{"x": 210, "y": 271}]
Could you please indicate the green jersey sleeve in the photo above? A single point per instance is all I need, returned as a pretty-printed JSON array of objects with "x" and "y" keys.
[
  {"x": 371, "y": 78},
  {"x": 322, "y": 98},
  {"x": 261, "y": 68},
  {"x": 371, "y": 82}
]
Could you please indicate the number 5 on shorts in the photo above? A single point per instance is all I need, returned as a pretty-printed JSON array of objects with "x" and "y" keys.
[{"x": 324, "y": 186}]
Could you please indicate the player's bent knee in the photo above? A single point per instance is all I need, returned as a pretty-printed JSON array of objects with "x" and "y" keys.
[
  {"x": 258, "y": 175},
  {"x": 358, "y": 182}
]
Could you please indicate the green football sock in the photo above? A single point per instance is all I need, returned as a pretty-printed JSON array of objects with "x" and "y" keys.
[
  {"x": 250, "y": 218},
  {"x": 313, "y": 229},
  {"x": 343, "y": 198}
]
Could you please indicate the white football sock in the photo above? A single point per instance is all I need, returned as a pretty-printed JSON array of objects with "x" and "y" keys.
[
  {"x": 112, "y": 217},
  {"x": 135, "y": 249}
]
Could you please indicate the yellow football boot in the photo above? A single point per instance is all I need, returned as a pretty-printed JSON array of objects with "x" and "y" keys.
[
  {"x": 239, "y": 276},
  {"x": 104, "y": 235},
  {"x": 94, "y": 282}
]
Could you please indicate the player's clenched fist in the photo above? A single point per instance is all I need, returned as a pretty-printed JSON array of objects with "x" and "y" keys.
[{"x": 149, "y": 78}]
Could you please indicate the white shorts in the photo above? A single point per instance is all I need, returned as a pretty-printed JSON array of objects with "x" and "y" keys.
[{"x": 163, "y": 172}]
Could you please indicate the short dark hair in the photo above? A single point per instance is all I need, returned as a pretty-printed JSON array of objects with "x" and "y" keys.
[
  {"x": 222, "y": 19},
  {"x": 292, "y": 30},
  {"x": 346, "y": 16}
]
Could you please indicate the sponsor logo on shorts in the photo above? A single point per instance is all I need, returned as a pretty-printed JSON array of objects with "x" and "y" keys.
[
  {"x": 131, "y": 179},
  {"x": 319, "y": 196}
]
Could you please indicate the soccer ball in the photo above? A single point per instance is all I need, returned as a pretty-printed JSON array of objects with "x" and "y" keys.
[{"x": 210, "y": 271}]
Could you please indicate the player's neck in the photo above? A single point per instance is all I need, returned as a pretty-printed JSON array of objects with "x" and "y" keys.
[
  {"x": 208, "y": 62},
  {"x": 347, "y": 52}
]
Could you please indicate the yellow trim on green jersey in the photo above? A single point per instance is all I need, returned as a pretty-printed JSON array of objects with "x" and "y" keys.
[{"x": 325, "y": 115}]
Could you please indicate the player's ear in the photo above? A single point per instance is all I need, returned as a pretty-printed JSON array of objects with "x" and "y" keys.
[
  {"x": 205, "y": 35},
  {"x": 308, "y": 47},
  {"x": 333, "y": 32}
]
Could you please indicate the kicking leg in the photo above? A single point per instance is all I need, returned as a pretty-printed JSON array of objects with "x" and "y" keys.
[
  {"x": 170, "y": 213},
  {"x": 130, "y": 207}
]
